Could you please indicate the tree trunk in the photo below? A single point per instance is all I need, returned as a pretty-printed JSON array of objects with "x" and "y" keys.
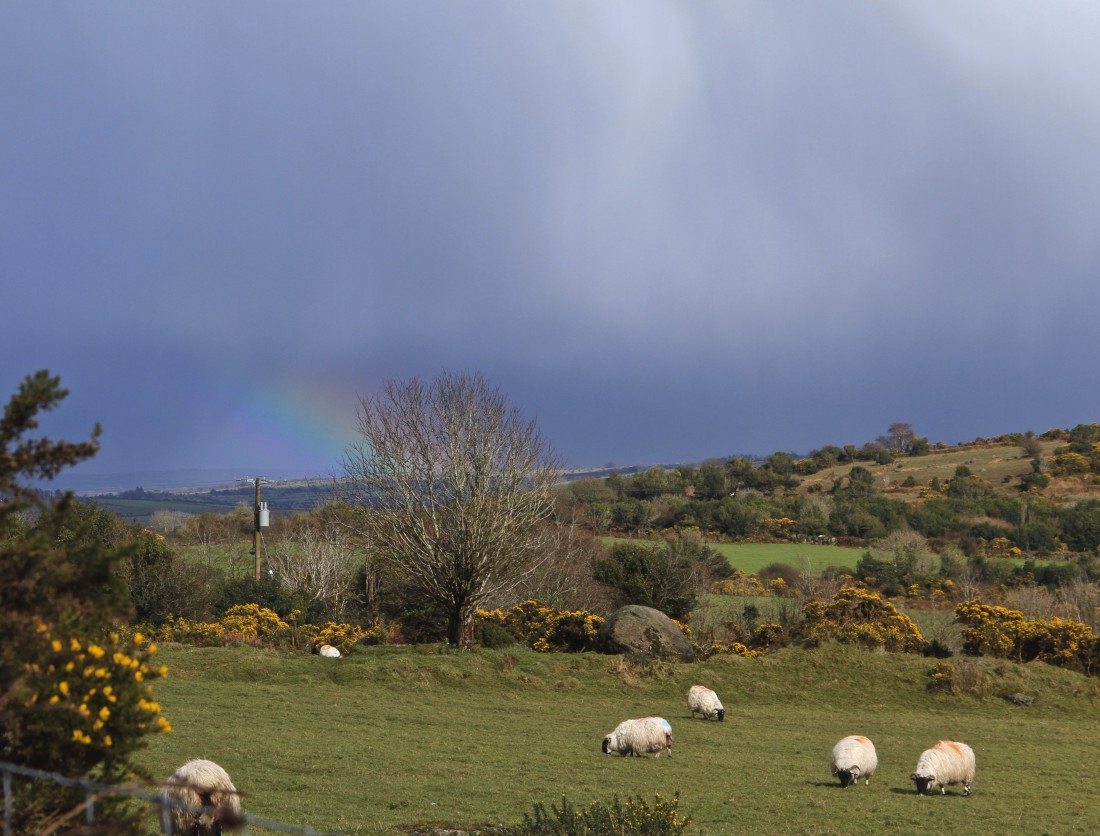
[{"x": 460, "y": 627}]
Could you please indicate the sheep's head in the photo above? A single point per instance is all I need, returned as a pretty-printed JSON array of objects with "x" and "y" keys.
[
  {"x": 721, "y": 714},
  {"x": 846, "y": 777},
  {"x": 607, "y": 745},
  {"x": 925, "y": 783}
]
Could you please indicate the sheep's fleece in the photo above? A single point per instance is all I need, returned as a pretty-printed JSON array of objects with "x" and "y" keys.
[
  {"x": 640, "y": 737},
  {"x": 854, "y": 757},
  {"x": 200, "y": 783},
  {"x": 946, "y": 763}
]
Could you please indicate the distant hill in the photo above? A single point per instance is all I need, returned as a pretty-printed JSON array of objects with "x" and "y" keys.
[
  {"x": 283, "y": 498},
  {"x": 1000, "y": 463}
]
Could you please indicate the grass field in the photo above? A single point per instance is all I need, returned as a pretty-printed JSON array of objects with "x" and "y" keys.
[
  {"x": 235, "y": 559},
  {"x": 393, "y": 736},
  {"x": 806, "y": 557},
  {"x": 752, "y": 557}
]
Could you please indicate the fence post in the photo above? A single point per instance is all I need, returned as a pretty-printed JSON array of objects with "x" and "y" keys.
[
  {"x": 89, "y": 807},
  {"x": 7, "y": 803},
  {"x": 165, "y": 819}
]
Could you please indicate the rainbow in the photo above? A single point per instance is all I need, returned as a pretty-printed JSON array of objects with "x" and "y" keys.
[{"x": 287, "y": 424}]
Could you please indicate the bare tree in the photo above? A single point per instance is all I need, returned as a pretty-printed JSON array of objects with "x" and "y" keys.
[
  {"x": 454, "y": 485},
  {"x": 319, "y": 559}
]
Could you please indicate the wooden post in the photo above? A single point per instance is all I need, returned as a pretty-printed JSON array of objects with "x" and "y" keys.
[{"x": 256, "y": 529}]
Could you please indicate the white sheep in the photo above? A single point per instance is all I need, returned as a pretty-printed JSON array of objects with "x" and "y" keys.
[
  {"x": 706, "y": 702},
  {"x": 854, "y": 757},
  {"x": 640, "y": 737},
  {"x": 202, "y": 783},
  {"x": 329, "y": 652},
  {"x": 948, "y": 762}
]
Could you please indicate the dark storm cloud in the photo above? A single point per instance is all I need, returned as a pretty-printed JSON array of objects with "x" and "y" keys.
[{"x": 669, "y": 230}]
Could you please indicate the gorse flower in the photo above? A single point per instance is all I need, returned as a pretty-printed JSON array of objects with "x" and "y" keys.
[
  {"x": 105, "y": 706},
  {"x": 545, "y": 629}
]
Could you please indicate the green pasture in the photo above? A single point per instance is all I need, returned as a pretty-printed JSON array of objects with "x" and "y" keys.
[
  {"x": 235, "y": 559},
  {"x": 396, "y": 736},
  {"x": 812, "y": 558},
  {"x": 806, "y": 557},
  {"x": 140, "y": 511}
]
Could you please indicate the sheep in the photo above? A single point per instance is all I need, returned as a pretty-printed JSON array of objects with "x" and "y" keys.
[
  {"x": 640, "y": 737},
  {"x": 329, "y": 652},
  {"x": 706, "y": 702},
  {"x": 202, "y": 783},
  {"x": 948, "y": 762},
  {"x": 854, "y": 756}
]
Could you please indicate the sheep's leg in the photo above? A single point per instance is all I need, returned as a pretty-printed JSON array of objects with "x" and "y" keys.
[{"x": 966, "y": 790}]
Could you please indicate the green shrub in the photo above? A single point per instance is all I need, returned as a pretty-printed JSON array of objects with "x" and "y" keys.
[
  {"x": 267, "y": 592},
  {"x": 489, "y": 633},
  {"x": 634, "y": 816},
  {"x": 74, "y": 699}
]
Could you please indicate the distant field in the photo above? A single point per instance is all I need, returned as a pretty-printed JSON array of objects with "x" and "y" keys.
[
  {"x": 281, "y": 500},
  {"x": 232, "y": 558},
  {"x": 806, "y": 557},
  {"x": 393, "y": 736},
  {"x": 141, "y": 510},
  {"x": 752, "y": 557}
]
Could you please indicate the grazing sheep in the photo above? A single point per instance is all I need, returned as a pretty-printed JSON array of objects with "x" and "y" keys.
[
  {"x": 640, "y": 737},
  {"x": 945, "y": 763},
  {"x": 329, "y": 652},
  {"x": 854, "y": 756},
  {"x": 202, "y": 783},
  {"x": 706, "y": 702}
]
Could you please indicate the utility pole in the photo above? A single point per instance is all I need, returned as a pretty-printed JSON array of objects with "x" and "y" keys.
[
  {"x": 256, "y": 529},
  {"x": 259, "y": 520}
]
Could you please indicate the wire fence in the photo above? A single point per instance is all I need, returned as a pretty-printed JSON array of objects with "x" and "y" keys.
[{"x": 94, "y": 790}]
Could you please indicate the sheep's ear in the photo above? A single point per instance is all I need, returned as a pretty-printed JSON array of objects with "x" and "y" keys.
[
  {"x": 912, "y": 776},
  {"x": 854, "y": 770}
]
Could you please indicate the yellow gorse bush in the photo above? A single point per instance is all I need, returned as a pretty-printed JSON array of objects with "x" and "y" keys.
[
  {"x": 733, "y": 648},
  {"x": 545, "y": 628},
  {"x": 253, "y": 622},
  {"x": 990, "y": 630},
  {"x": 241, "y": 624},
  {"x": 93, "y": 694},
  {"x": 859, "y": 616},
  {"x": 343, "y": 636},
  {"x": 740, "y": 584}
]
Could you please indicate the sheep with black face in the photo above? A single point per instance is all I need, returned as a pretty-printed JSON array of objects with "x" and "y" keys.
[
  {"x": 703, "y": 700},
  {"x": 948, "y": 762},
  {"x": 854, "y": 757}
]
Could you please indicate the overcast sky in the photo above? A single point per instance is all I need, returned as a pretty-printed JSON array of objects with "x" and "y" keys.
[{"x": 668, "y": 230}]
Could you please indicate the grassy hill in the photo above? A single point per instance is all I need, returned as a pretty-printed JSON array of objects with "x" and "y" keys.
[
  {"x": 398, "y": 735},
  {"x": 1001, "y": 465}
]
